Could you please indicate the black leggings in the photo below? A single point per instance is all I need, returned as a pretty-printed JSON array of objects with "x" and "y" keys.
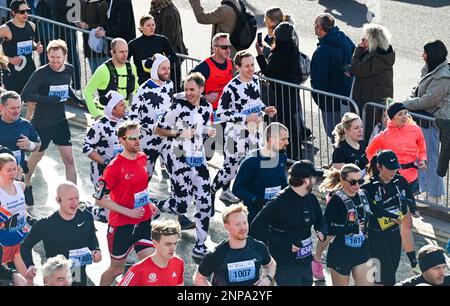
[{"x": 386, "y": 247}]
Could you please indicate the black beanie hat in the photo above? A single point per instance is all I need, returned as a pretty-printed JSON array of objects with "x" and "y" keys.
[
  {"x": 394, "y": 108},
  {"x": 432, "y": 259},
  {"x": 284, "y": 32}
]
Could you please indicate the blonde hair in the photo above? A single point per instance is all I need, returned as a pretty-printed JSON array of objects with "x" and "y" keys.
[
  {"x": 377, "y": 37},
  {"x": 57, "y": 44},
  {"x": 235, "y": 208},
  {"x": 345, "y": 124},
  {"x": 53, "y": 264},
  {"x": 333, "y": 178},
  {"x": 6, "y": 158}
]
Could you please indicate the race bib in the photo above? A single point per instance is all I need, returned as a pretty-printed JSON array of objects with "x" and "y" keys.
[
  {"x": 61, "y": 91},
  {"x": 252, "y": 107},
  {"x": 141, "y": 198},
  {"x": 118, "y": 148},
  {"x": 216, "y": 119},
  {"x": 386, "y": 222},
  {"x": 241, "y": 271},
  {"x": 24, "y": 47},
  {"x": 306, "y": 249},
  {"x": 80, "y": 257},
  {"x": 195, "y": 159},
  {"x": 354, "y": 241},
  {"x": 270, "y": 192},
  {"x": 18, "y": 156}
]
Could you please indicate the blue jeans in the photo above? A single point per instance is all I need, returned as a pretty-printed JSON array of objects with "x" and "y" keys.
[{"x": 428, "y": 179}]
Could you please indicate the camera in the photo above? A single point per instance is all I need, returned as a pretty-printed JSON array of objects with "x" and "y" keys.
[{"x": 346, "y": 68}]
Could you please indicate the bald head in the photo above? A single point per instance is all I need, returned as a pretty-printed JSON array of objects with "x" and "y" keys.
[
  {"x": 116, "y": 42},
  {"x": 63, "y": 187}
]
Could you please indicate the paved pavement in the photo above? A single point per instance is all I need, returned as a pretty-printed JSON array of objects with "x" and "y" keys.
[{"x": 50, "y": 172}]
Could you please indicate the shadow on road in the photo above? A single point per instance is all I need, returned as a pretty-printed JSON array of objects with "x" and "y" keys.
[
  {"x": 352, "y": 13},
  {"x": 429, "y": 3}
]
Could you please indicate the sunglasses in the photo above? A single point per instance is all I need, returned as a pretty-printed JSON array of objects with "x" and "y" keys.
[
  {"x": 224, "y": 47},
  {"x": 354, "y": 182},
  {"x": 133, "y": 137},
  {"x": 21, "y": 12}
]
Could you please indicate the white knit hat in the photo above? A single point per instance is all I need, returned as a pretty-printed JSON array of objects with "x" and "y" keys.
[{"x": 114, "y": 99}]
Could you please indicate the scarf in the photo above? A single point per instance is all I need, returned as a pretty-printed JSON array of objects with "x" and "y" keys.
[{"x": 158, "y": 5}]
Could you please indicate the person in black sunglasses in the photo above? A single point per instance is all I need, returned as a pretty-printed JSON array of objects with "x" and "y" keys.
[
  {"x": 346, "y": 217},
  {"x": 390, "y": 196}
]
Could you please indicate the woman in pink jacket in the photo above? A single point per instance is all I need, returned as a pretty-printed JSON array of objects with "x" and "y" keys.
[{"x": 405, "y": 138}]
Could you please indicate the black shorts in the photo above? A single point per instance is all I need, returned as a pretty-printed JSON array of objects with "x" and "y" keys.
[
  {"x": 343, "y": 259},
  {"x": 58, "y": 133},
  {"x": 294, "y": 273},
  {"x": 122, "y": 238}
]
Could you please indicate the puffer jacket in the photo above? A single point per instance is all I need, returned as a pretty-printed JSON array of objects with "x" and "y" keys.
[
  {"x": 432, "y": 94},
  {"x": 407, "y": 142}
]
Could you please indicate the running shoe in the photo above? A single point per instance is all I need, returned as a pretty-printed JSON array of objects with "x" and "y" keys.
[
  {"x": 28, "y": 192},
  {"x": 228, "y": 196},
  {"x": 185, "y": 223},
  {"x": 199, "y": 252}
]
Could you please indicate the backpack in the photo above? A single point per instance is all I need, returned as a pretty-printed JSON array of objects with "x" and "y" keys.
[
  {"x": 305, "y": 66},
  {"x": 244, "y": 32}
]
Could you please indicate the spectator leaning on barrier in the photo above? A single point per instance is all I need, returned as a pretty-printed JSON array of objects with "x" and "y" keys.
[
  {"x": 329, "y": 63},
  {"x": 168, "y": 24},
  {"x": 372, "y": 67},
  {"x": 432, "y": 96},
  {"x": 223, "y": 18},
  {"x": 282, "y": 64},
  {"x": 120, "y": 21},
  {"x": 93, "y": 15},
  {"x": 148, "y": 44}
]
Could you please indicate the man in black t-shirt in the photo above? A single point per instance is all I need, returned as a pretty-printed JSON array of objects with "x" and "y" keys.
[{"x": 236, "y": 261}]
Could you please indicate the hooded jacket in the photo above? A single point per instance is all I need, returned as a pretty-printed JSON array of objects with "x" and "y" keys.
[
  {"x": 334, "y": 50},
  {"x": 407, "y": 142},
  {"x": 373, "y": 74},
  {"x": 432, "y": 94}
]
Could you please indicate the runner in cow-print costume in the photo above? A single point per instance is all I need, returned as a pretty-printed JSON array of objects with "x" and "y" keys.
[
  {"x": 241, "y": 107},
  {"x": 151, "y": 101},
  {"x": 101, "y": 144},
  {"x": 185, "y": 125}
]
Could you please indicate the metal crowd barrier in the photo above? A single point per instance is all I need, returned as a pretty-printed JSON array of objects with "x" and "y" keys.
[
  {"x": 369, "y": 115},
  {"x": 295, "y": 103},
  {"x": 83, "y": 62}
]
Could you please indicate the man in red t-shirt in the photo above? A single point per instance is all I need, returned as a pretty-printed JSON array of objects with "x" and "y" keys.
[
  {"x": 126, "y": 181},
  {"x": 162, "y": 268}
]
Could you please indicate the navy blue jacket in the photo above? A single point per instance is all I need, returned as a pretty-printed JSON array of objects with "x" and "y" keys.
[{"x": 333, "y": 52}]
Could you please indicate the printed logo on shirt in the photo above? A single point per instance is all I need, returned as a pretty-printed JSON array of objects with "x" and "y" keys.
[
  {"x": 174, "y": 274},
  {"x": 128, "y": 176},
  {"x": 81, "y": 224},
  {"x": 152, "y": 277}
]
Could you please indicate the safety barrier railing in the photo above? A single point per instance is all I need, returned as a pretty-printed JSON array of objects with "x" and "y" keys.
[
  {"x": 370, "y": 111},
  {"x": 79, "y": 54},
  {"x": 296, "y": 104}
]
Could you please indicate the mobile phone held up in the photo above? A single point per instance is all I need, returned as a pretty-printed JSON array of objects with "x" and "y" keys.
[{"x": 260, "y": 39}]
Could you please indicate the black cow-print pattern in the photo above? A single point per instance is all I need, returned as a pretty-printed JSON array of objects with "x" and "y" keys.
[
  {"x": 239, "y": 99},
  {"x": 188, "y": 182},
  {"x": 149, "y": 103},
  {"x": 102, "y": 138}
]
